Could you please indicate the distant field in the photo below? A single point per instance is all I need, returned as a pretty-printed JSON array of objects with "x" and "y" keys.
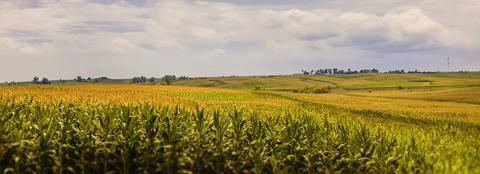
[
  {"x": 160, "y": 95},
  {"x": 342, "y": 81},
  {"x": 402, "y": 109},
  {"x": 366, "y": 124},
  {"x": 265, "y": 82},
  {"x": 460, "y": 94}
]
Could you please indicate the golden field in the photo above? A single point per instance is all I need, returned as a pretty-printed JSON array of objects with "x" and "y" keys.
[{"x": 152, "y": 128}]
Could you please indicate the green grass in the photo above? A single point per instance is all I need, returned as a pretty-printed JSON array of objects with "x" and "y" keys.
[
  {"x": 379, "y": 81},
  {"x": 342, "y": 81},
  {"x": 264, "y": 82}
]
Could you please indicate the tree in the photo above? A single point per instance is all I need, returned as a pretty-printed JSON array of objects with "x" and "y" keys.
[
  {"x": 135, "y": 80},
  {"x": 169, "y": 79},
  {"x": 79, "y": 79},
  {"x": 35, "y": 80},
  {"x": 45, "y": 81},
  {"x": 141, "y": 79},
  {"x": 152, "y": 80},
  {"x": 183, "y": 78}
]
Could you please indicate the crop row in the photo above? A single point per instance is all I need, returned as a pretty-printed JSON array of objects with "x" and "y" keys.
[{"x": 124, "y": 138}]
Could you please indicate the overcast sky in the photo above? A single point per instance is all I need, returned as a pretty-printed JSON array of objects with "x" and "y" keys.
[{"x": 125, "y": 38}]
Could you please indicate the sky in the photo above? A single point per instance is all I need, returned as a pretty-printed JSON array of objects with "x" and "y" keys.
[{"x": 61, "y": 39}]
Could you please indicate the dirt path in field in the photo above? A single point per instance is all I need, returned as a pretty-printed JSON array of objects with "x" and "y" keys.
[
  {"x": 214, "y": 84},
  {"x": 316, "y": 80}
]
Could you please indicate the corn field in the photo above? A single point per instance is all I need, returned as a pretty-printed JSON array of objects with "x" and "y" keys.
[{"x": 41, "y": 135}]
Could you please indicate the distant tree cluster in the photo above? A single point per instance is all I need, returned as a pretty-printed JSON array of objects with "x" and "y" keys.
[
  {"x": 141, "y": 79},
  {"x": 184, "y": 78},
  {"x": 364, "y": 71},
  {"x": 339, "y": 71},
  {"x": 12, "y": 83},
  {"x": 168, "y": 79},
  {"x": 151, "y": 80},
  {"x": 396, "y": 72},
  {"x": 80, "y": 79},
  {"x": 410, "y": 72},
  {"x": 37, "y": 80},
  {"x": 463, "y": 71}
]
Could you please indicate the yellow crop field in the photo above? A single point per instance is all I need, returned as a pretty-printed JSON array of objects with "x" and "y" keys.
[
  {"x": 463, "y": 95},
  {"x": 418, "y": 109},
  {"x": 151, "y": 128},
  {"x": 239, "y": 87},
  {"x": 142, "y": 94}
]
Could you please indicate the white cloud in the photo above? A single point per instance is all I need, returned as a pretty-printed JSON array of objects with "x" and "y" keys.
[
  {"x": 17, "y": 47},
  {"x": 121, "y": 45},
  {"x": 172, "y": 33}
]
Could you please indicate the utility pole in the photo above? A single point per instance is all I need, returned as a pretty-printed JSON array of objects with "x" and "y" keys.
[{"x": 448, "y": 64}]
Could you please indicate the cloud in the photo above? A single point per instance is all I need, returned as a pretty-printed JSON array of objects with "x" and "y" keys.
[
  {"x": 176, "y": 36},
  {"x": 17, "y": 47},
  {"x": 213, "y": 23},
  {"x": 124, "y": 45},
  {"x": 138, "y": 3},
  {"x": 86, "y": 27},
  {"x": 183, "y": 25}
]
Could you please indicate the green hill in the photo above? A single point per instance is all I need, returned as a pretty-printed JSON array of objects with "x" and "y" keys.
[{"x": 341, "y": 81}]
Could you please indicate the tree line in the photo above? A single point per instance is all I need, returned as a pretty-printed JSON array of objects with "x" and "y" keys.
[
  {"x": 364, "y": 71},
  {"x": 168, "y": 79},
  {"x": 410, "y": 72},
  {"x": 43, "y": 81},
  {"x": 339, "y": 71}
]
